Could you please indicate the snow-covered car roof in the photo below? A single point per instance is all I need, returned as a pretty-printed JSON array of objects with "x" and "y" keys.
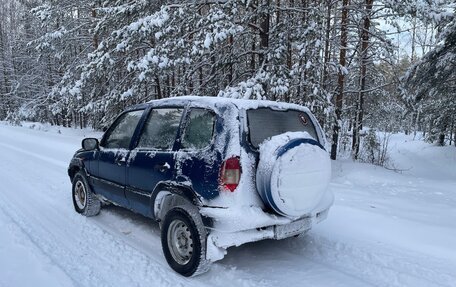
[{"x": 219, "y": 101}]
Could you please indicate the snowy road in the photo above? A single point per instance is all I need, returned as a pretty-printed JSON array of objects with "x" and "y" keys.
[{"x": 386, "y": 228}]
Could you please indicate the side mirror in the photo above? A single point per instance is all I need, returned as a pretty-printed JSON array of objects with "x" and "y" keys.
[{"x": 89, "y": 144}]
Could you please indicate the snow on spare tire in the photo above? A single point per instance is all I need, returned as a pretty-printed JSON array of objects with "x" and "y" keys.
[{"x": 293, "y": 173}]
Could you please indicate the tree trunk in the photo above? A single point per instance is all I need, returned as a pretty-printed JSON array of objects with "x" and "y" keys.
[
  {"x": 451, "y": 133},
  {"x": 341, "y": 79},
  {"x": 441, "y": 139},
  {"x": 358, "y": 125},
  {"x": 454, "y": 135},
  {"x": 417, "y": 123},
  {"x": 413, "y": 56},
  {"x": 264, "y": 35},
  {"x": 158, "y": 88},
  {"x": 252, "y": 57},
  {"x": 3, "y": 49},
  {"x": 230, "y": 64},
  {"x": 327, "y": 39},
  {"x": 95, "y": 39}
]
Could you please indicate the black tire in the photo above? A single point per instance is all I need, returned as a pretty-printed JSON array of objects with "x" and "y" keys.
[
  {"x": 194, "y": 239},
  {"x": 84, "y": 200}
]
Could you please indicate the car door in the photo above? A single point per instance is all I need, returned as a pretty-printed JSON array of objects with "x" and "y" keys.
[
  {"x": 197, "y": 157},
  {"x": 110, "y": 180},
  {"x": 152, "y": 161}
]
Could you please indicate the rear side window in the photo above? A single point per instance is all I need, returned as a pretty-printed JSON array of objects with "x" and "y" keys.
[
  {"x": 161, "y": 128},
  {"x": 199, "y": 130},
  {"x": 264, "y": 123},
  {"x": 119, "y": 135}
]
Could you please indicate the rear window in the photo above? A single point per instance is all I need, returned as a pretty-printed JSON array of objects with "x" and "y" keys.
[{"x": 264, "y": 123}]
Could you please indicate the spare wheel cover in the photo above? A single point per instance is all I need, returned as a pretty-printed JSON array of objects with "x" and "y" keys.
[{"x": 294, "y": 179}]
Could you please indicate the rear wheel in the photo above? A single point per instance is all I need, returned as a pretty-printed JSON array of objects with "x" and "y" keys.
[
  {"x": 183, "y": 243},
  {"x": 84, "y": 200}
]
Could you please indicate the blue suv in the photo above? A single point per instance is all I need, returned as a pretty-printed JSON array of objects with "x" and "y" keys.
[{"x": 213, "y": 172}]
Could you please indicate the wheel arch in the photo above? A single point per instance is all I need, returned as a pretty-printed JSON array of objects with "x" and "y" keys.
[
  {"x": 76, "y": 166},
  {"x": 168, "y": 195}
]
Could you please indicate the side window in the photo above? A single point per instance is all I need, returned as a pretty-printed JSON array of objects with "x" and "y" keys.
[
  {"x": 200, "y": 128},
  {"x": 161, "y": 128},
  {"x": 119, "y": 136}
]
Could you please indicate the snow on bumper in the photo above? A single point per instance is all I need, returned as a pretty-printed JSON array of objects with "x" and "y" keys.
[{"x": 236, "y": 226}]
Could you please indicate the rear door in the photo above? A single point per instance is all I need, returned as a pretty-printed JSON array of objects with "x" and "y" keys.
[
  {"x": 110, "y": 179},
  {"x": 198, "y": 159},
  {"x": 153, "y": 159}
]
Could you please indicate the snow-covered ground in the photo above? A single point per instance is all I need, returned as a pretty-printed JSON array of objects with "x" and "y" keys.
[{"x": 385, "y": 229}]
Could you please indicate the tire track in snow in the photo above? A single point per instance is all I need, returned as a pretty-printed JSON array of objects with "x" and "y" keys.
[
  {"x": 18, "y": 251},
  {"x": 47, "y": 243},
  {"x": 28, "y": 233},
  {"x": 367, "y": 263},
  {"x": 385, "y": 266},
  {"x": 55, "y": 162}
]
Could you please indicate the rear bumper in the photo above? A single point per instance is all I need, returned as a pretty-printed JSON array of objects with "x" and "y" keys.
[
  {"x": 223, "y": 236},
  {"x": 218, "y": 242}
]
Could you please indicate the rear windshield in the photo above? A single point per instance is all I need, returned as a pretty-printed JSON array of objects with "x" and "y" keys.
[{"x": 264, "y": 123}]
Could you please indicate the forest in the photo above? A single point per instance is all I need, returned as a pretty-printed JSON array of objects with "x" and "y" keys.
[{"x": 361, "y": 66}]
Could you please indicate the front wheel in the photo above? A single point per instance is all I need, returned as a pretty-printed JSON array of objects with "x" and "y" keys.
[
  {"x": 84, "y": 200},
  {"x": 183, "y": 243}
]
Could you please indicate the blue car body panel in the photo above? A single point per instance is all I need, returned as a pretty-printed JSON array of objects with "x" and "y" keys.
[{"x": 146, "y": 169}]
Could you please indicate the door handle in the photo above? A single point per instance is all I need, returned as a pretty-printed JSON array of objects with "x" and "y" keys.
[
  {"x": 163, "y": 167},
  {"x": 121, "y": 161}
]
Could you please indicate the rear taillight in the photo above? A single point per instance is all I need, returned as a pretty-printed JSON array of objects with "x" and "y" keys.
[{"x": 230, "y": 174}]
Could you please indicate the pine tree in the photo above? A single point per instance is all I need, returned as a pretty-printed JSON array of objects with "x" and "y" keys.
[{"x": 429, "y": 85}]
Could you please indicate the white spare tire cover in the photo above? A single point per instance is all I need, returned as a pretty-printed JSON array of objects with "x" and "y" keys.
[{"x": 293, "y": 174}]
